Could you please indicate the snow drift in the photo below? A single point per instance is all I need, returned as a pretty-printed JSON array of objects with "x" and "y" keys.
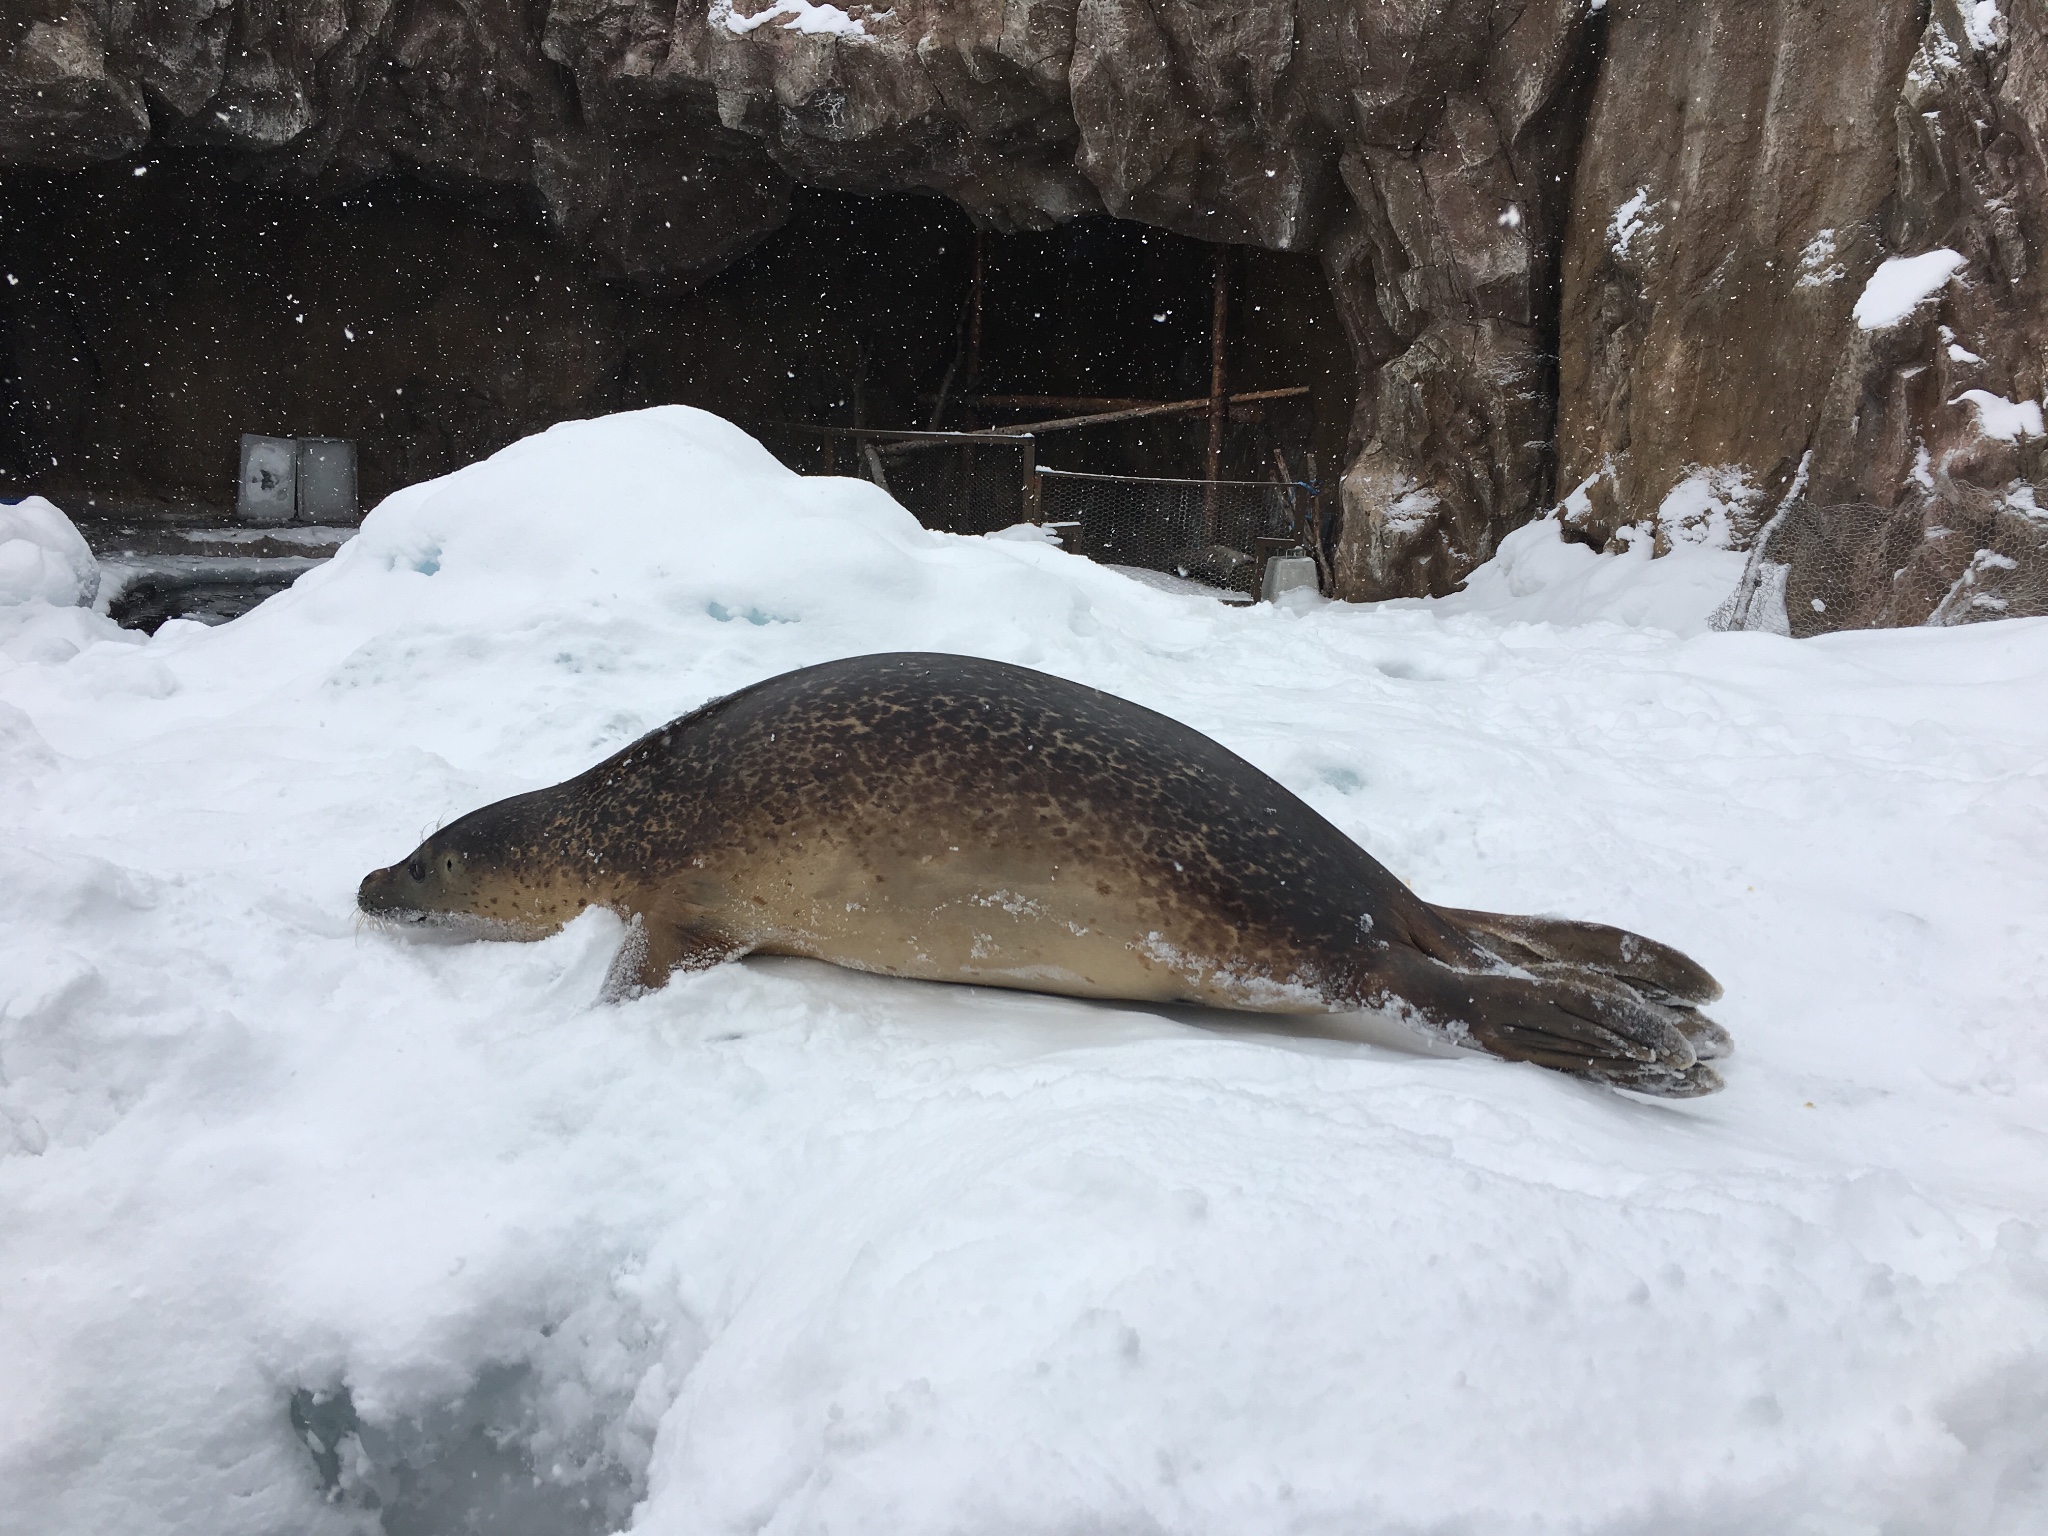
[
  {"x": 43, "y": 559},
  {"x": 304, "y": 1228}
]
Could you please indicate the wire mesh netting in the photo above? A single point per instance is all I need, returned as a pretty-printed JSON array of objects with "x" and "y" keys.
[
  {"x": 972, "y": 487},
  {"x": 955, "y": 482},
  {"x": 1814, "y": 569},
  {"x": 1215, "y": 532}
]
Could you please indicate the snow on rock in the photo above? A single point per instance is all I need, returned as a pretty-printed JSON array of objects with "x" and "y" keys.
[
  {"x": 1817, "y": 265},
  {"x": 2006, "y": 420},
  {"x": 803, "y": 16},
  {"x": 42, "y": 557},
  {"x": 1633, "y": 220},
  {"x": 786, "y": 1248},
  {"x": 1713, "y": 507},
  {"x": 1416, "y": 507},
  {"x": 1983, "y": 23},
  {"x": 1901, "y": 285}
]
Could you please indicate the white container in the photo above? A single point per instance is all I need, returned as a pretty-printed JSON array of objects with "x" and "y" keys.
[
  {"x": 269, "y": 489},
  {"x": 1289, "y": 573},
  {"x": 327, "y": 480}
]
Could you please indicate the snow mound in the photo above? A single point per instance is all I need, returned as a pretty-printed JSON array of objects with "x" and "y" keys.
[
  {"x": 48, "y": 576},
  {"x": 311, "y": 1229},
  {"x": 43, "y": 558},
  {"x": 1538, "y": 576},
  {"x": 1901, "y": 285}
]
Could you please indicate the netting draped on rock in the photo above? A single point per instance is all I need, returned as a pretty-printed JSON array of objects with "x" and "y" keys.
[{"x": 1961, "y": 560}]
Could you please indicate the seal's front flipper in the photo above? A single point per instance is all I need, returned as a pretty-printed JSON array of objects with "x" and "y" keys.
[
  {"x": 654, "y": 951},
  {"x": 1649, "y": 967},
  {"x": 1602, "y": 1032}
]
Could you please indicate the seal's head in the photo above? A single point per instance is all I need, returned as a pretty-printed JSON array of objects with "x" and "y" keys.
[{"x": 471, "y": 876}]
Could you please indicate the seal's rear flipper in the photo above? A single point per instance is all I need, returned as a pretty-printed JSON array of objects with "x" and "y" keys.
[
  {"x": 1710, "y": 1042},
  {"x": 1597, "y": 1031},
  {"x": 1645, "y": 965}
]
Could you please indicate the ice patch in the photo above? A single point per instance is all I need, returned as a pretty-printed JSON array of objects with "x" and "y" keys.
[
  {"x": 1902, "y": 285},
  {"x": 310, "y": 535}
]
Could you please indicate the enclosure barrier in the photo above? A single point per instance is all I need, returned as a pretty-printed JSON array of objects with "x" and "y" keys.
[
  {"x": 1216, "y": 532},
  {"x": 956, "y": 482}
]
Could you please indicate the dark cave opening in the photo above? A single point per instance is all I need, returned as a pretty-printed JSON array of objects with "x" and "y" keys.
[{"x": 155, "y": 309}]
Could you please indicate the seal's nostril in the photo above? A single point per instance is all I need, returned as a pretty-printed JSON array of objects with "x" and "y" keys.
[{"x": 417, "y": 870}]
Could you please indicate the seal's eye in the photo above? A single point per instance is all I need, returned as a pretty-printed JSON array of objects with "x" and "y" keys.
[{"x": 417, "y": 870}]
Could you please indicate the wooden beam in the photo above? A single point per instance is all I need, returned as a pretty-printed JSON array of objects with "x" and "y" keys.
[
  {"x": 1164, "y": 408},
  {"x": 1219, "y": 315},
  {"x": 974, "y": 322},
  {"x": 1057, "y": 402}
]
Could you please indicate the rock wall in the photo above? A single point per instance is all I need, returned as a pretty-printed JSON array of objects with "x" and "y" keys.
[
  {"x": 1750, "y": 166},
  {"x": 1603, "y": 252}
]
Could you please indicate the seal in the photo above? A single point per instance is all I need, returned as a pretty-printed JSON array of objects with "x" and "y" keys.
[{"x": 952, "y": 819}]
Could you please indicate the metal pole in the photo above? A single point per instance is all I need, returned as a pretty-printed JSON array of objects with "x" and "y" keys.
[
  {"x": 974, "y": 318},
  {"x": 1219, "y": 316},
  {"x": 1034, "y": 510}
]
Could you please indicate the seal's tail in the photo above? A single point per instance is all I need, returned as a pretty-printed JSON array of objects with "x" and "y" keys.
[{"x": 1582, "y": 998}]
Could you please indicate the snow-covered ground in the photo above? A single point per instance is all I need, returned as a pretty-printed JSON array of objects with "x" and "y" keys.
[{"x": 786, "y": 1249}]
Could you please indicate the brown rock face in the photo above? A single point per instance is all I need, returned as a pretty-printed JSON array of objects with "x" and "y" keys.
[
  {"x": 1749, "y": 168},
  {"x": 1604, "y": 254},
  {"x": 1728, "y": 141}
]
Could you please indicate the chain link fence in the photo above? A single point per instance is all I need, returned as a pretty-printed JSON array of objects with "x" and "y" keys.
[{"x": 1216, "y": 532}]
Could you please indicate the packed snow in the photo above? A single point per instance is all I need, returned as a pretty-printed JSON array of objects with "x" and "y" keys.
[
  {"x": 43, "y": 559},
  {"x": 1902, "y": 284},
  {"x": 299, "y": 1217}
]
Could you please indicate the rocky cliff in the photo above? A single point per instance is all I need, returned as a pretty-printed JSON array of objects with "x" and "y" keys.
[{"x": 1603, "y": 255}]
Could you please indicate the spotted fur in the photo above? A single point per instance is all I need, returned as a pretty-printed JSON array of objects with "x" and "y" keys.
[{"x": 947, "y": 818}]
